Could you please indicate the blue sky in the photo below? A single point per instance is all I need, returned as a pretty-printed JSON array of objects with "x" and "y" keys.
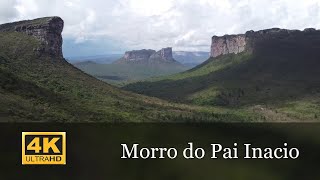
[{"x": 113, "y": 26}]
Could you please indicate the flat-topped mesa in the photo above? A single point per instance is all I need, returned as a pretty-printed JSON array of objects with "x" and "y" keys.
[
  {"x": 138, "y": 55},
  {"x": 147, "y": 56},
  {"x": 48, "y": 30},
  {"x": 165, "y": 54},
  {"x": 251, "y": 40}
]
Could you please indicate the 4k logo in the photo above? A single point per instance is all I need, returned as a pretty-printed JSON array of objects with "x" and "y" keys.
[{"x": 43, "y": 148}]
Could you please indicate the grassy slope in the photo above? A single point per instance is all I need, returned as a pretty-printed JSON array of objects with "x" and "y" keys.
[
  {"x": 119, "y": 74},
  {"x": 46, "y": 89},
  {"x": 281, "y": 80}
]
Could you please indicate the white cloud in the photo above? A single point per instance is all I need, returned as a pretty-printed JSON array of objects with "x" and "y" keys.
[
  {"x": 182, "y": 24},
  {"x": 7, "y": 10}
]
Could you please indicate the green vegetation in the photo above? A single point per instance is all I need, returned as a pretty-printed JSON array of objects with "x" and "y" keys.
[
  {"x": 279, "y": 81},
  {"x": 121, "y": 74},
  {"x": 41, "y": 88}
]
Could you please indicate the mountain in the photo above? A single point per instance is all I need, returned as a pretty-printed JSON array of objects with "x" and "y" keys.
[
  {"x": 135, "y": 65},
  {"x": 38, "y": 84},
  {"x": 189, "y": 58},
  {"x": 274, "y": 72},
  {"x": 148, "y": 57},
  {"x": 47, "y": 31}
]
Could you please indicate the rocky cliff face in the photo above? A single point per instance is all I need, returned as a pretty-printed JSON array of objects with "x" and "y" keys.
[
  {"x": 138, "y": 55},
  {"x": 165, "y": 55},
  {"x": 227, "y": 44},
  {"x": 252, "y": 40},
  {"x": 47, "y": 30},
  {"x": 146, "y": 56}
]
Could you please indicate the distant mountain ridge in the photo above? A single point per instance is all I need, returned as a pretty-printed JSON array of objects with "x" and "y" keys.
[
  {"x": 100, "y": 59},
  {"x": 191, "y": 58}
]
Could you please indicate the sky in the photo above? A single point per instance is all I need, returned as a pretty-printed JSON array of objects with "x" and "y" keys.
[{"x": 95, "y": 27}]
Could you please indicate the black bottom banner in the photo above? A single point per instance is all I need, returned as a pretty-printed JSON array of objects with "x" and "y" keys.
[{"x": 160, "y": 151}]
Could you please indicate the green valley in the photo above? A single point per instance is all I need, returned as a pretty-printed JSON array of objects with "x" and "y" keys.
[
  {"x": 121, "y": 74},
  {"x": 38, "y": 85}
]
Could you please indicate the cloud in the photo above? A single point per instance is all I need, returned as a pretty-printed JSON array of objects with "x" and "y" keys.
[
  {"x": 7, "y": 10},
  {"x": 182, "y": 24}
]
